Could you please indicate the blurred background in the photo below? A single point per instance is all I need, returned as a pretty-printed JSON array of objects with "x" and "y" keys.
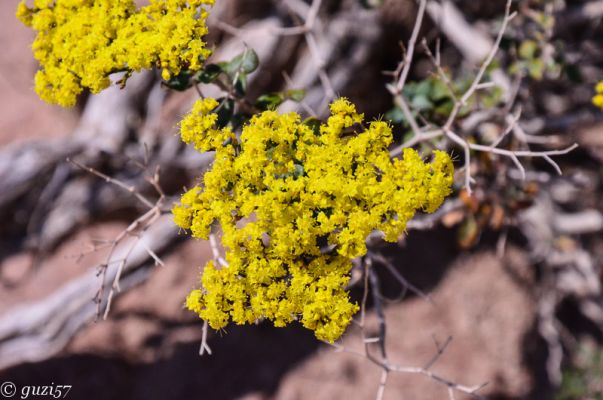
[{"x": 514, "y": 271}]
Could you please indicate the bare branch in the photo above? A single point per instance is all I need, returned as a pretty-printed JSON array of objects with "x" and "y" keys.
[
  {"x": 410, "y": 48},
  {"x": 108, "y": 179},
  {"x": 470, "y": 390},
  {"x": 204, "y": 346}
]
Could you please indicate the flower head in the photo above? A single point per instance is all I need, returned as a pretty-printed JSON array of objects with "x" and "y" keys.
[
  {"x": 79, "y": 43},
  {"x": 296, "y": 205}
]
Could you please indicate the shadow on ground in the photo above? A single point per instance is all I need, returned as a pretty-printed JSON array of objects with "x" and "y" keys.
[{"x": 246, "y": 360}]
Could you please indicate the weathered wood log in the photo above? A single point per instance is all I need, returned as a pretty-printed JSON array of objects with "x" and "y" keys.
[{"x": 36, "y": 331}]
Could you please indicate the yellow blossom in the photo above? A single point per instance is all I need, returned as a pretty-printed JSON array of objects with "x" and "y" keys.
[
  {"x": 79, "y": 43},
  {"x": 296, "y": 206},
  {"x": 598, "y": 98}
]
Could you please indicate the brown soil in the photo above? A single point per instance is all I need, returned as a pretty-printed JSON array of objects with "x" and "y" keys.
[
  {"x": 478, "y": 304},
  {"x": 149, "y": 346}
]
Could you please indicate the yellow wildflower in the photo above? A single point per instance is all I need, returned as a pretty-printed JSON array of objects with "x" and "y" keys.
[
  {"x": 282, "y": 194},
  {"x": 79, "y": 43},
  {"x": 598, "y": 98}
]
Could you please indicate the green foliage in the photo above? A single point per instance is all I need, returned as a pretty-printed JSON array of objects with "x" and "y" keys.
[
  {"x": 583, "y": 381},
  {"x": 230, "y": 75},
  {"x": 244, "y": 63},
  {"x": 271, "y": 101},
  {"x": 532, "y": 61},
  {"x": 434, "y": 99},
  {"x": 537, "y": 57}
]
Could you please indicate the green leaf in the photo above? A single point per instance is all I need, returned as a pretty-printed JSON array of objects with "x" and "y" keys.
[
  {"x": 444, "y": 108},
  {"x": 527, "y": 49},
  {"x": 240, "y": 84},
  {"x": 516, "y": 67},
  {"x": 249, "y": 61},
  {"x": 295, "y": 94},
  {"x": 246, "y": 62},
  {"x": 209, "y": 73},
  {"x": 536, "y": 68},
  {"x": 409, "y": 89},
  {"x": 421, "y": 103},
  {"x": 395, "y": 115},
  {"x": 298, "y": 171},
  {"x": 423, "y": 88},
  {"x": 439, "y": 91},
  {"x": 314, "y": 124},
  {"x": 180, "y": 82},
  {"x": 493, "y": 98},
  {"x": 269, "y": 101}
]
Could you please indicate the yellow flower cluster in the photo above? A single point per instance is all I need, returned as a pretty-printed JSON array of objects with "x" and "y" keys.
[
  {"x": 296, "y": 204},
  {"x": 79, "y": 43},
  {"x": 598, "y": 99}
]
